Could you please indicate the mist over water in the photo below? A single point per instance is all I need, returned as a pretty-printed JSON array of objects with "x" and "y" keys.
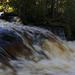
[{"x": 51, "y": 56}]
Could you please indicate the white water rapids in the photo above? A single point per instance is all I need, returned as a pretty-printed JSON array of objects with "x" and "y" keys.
[{"x": 60, "y": 53}]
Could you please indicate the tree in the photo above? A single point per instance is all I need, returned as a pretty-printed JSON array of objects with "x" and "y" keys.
[{"x": 52, "y": 8}]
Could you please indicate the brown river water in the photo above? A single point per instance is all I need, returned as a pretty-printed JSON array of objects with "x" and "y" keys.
[{"x": 52, "y": 56}]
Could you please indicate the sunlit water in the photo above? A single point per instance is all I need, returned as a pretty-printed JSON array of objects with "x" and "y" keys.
[{"x": 58, "y": 57}]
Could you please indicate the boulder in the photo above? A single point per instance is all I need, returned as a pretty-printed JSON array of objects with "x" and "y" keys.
[{"x": 11, "y": 46}]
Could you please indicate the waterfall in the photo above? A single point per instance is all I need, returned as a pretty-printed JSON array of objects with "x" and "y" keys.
[{"x": 49, "y": 55}]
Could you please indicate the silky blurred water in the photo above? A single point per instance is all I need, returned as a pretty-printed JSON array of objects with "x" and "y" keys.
[{"x": 61, "y": 57}]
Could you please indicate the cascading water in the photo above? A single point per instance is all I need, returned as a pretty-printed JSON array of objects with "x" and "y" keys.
[{"x": 50, "y": 56}]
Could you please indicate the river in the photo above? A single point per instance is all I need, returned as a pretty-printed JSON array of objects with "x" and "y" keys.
[{"x": 52, "y": 56}]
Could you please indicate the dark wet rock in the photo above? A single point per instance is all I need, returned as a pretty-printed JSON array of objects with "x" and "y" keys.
[
  {"x": 10, "y": 16},
  {"x": 8, "y": 37},
  {"x": 11, "y": 46}
]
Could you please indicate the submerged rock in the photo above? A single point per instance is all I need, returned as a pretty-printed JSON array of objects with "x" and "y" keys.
[{"x": 11, "y": 46}]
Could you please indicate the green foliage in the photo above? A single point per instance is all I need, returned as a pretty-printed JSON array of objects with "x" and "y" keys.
[
  {"x": 67, "y": 31},
  {"x": 69, "y": 13},
  {"x": 29, "y": 9},
  {"x": 4, "y": 6}
]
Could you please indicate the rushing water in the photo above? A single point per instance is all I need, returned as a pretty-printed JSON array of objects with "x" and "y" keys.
[{"x": 51, "y": 56}]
